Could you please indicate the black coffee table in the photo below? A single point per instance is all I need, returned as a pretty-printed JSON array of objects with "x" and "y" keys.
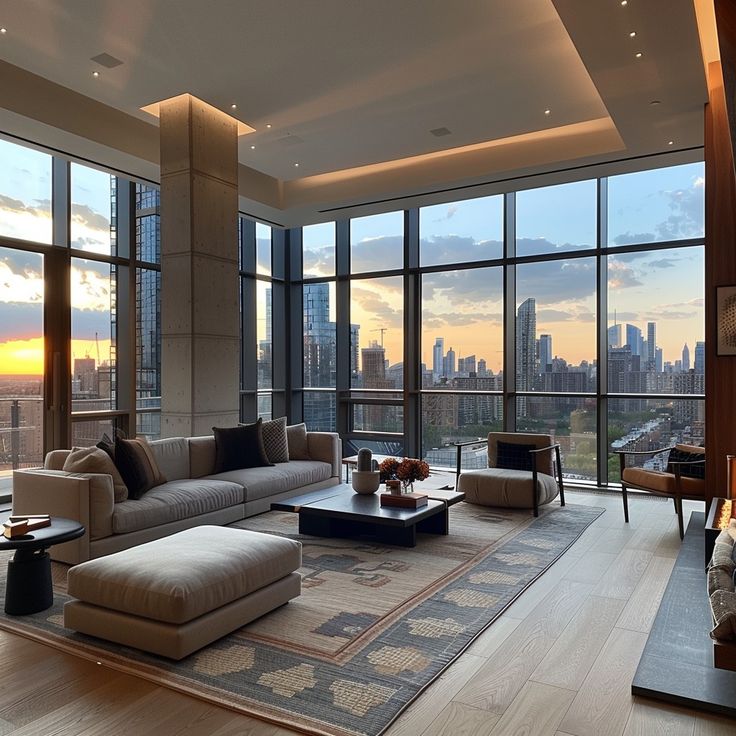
[
  {"x": 339, "y": 512},
  {"x": 28, "y": 588}
]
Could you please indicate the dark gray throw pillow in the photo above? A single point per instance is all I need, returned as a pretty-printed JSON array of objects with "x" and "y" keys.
[
  {"x": 514, "y": 457},
  {"x": 239, "y": 447}
]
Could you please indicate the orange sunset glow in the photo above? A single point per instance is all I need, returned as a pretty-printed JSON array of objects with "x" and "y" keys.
[{"x": 25, "y": 357}]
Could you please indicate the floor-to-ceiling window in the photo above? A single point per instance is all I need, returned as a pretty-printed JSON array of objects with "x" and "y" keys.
[
  {"x": 574, "y": 310},
  {"x": 79, "y": 266}
]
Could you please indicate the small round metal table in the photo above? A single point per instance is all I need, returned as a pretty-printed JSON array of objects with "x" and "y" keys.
[{"x": 28, "y": 588}]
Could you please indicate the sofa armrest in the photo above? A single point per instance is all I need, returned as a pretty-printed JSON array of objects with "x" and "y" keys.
[
  {"x": 327, "y": 447},
  {"x": 86, "y": 497}
]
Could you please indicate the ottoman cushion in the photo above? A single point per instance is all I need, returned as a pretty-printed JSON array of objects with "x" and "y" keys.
[
  {"x": 181, "y": 577},
  {"x": 506, "y": 488}
]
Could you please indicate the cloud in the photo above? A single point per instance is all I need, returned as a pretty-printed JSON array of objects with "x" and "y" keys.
[
  {"x": 20, "y": 321},
  {"x": 449, "y": 214},
  {"x": 622, "y": 317},
  {"x": 380, "y": 310},
  {"x": 434, "y": 320},
  {"x": 559, "y": 315},
  {"x": 319, "y": 261},
  {"x": 85, "y": 216},
  {"x": 377, "y": 254},
  {"x": 621, "y": 276},
  {"x": 628, "y": 238},
  {"x": 41, "y": 208},
  {"x": 458, "y": 249},
  {"x": 556, "y": 282},
  {"x": 663, "y": 263}
]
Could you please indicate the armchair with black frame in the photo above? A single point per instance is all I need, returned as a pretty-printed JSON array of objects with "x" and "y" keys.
[
  {"x": 683, "y": 478},
  {"x": 524, "y": 471}
]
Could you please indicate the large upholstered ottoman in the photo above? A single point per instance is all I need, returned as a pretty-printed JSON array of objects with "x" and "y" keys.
[{"x": 174, "y": 595}]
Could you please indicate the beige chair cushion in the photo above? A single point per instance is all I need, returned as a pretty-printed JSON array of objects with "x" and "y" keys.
[
  {"x": 269, "y": 481},
  {"x": 172, "y": 457},
  {"x": 506, "y": 488},
  {"x": 657, "y": 480},
  {"x": 178, "y": 578},
  {"x": 178, "y": 499},
  {"x": 545, "y": 460},
  {"x": 95, "y": 460}
]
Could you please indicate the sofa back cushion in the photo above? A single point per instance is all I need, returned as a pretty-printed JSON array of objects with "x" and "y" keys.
[
  {"x": 202, "y": 453},
  {"x": 172, "y": 456},
  {"x": 298, "y": 444},
  {"x": 94, "y": 460}
]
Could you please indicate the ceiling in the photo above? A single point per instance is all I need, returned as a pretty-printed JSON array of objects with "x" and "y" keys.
[{"x": 352, "y": 90}]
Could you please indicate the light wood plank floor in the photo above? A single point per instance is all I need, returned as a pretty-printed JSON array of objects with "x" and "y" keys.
[{"x": 559, "y": 662}]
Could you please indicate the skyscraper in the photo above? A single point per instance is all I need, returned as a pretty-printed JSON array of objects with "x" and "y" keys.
[
  {"x": 320, "y": 363},
  {"x": 686, "y": 359},
  {"x": 633, "y": 339},
  {"x": 614, "y": 336},
  {"x": 438, "y": 353},
  {"x": 700, "y": 357},
  {"x": 545, "y": 353},
  {"x": 526, "y": 343},
  {"x": 449, "y": 363},
  {"x": 651, "y": 345}
]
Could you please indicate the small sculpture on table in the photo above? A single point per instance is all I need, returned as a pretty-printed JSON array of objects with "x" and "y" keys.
[{"x": 366, "y": 478}]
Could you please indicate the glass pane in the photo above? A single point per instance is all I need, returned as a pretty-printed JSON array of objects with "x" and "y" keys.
[
  {"x": 572, "y": 424},
  {"x": 555, "y": 326},
  {"x": 319, "y": 335},
  {"x": 94, "y": 317},
  {"x": 263, "y": 249},
  {"x": 394, "y": 448},
  {"x": 318, "y": 250},
  {"x": 462, "y": 329},
  {"x": 94, "y": 210},
  {"x": 265, "y": 406},
  {"x": 147, "y": 223},
  {"x": 460, "y": 232},
  {"x": 377, "y": 332},
  {"x": 148, "y": 339},
  {"x": 378, "y": 418},
  {"x": 25, "y": 193},
  {"x": 554, "y": 219},
  {"x": 264, "y": 334},
  {"x": 320, "y": 408},
  {"x": 448, "y": 418},
  {"x": 21, "y": 362},
  {"x": 377, "y": 242},
  {"x": 89, "y": 432},
  {"x": 653, "y": 206},
  {"x": 650, "y": 424},
  {"x": 148, "y": 425},
  {"x": 656, "y": 323}
]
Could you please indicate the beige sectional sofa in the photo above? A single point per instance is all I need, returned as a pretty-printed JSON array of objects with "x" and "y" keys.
[{"x": 193, "y": 494}]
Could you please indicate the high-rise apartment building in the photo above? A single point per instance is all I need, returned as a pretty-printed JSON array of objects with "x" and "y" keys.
[
  {"x": 526, "y": 339},
  {"x": 614, "y": 336},
  {"x": 700, "y": 357},
  {"x": 633, "y": 339},
  {"x": 449, "y": 363},
  {"x": 651, "y": 345},
  {"x": 438, "y": 353},
  {"x": 545, "y": 353},
  {"x": 686, "y": 358}
]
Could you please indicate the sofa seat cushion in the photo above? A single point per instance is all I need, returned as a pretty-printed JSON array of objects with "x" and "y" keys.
[
  {"x": 656, "y": 480},
  {"x": 175, "y": 500},
  {"x": 269, "y": 481},
  {"x": 183, "y": 576},
  {"x": 507, "y": 488}
]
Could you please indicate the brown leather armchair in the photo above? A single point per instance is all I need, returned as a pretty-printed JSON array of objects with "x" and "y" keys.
[{"x": 677, "y": 481}]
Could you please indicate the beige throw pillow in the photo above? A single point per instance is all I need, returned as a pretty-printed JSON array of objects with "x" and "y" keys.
[{"x": 94, "y": 460}]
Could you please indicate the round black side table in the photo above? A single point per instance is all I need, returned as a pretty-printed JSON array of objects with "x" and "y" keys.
[{"x": 28, "y": 588}]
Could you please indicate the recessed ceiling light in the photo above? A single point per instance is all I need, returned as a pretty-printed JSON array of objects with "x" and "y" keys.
[
  {"x": 3, "y": 30},
  {"x": 632, "y": 34},
  {"x": 639, "y": 54},
  {"x": 624, "y": 2},
  {"x": 296, "y": 165},
  {"x": 547, "y": 111},
  {"x": 252, "y": 148},
  {"x": 95, "y": 74},
  {"x": 233, "y": 106},
  {"x": 670, "y": 143},
  {"x": 655, "y": 102},
  {"x": 268, "y": 125}
]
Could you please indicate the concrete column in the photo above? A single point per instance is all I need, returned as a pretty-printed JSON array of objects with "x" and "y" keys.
[{"x": 200, "y": 311}]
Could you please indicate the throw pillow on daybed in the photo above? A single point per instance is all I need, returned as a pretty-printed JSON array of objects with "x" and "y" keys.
[
  {"x": 137, "y": 465},
  {"x": 239, "y": 447},
  {"x": 95, "y": 460},
  {"x": 275, "y": 441}
]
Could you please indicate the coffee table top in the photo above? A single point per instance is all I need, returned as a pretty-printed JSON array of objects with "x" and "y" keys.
[
  {"x": 296, "y": 503},
  {"x": 357, "y": 507},
  {"x": 60, "y": 530}
]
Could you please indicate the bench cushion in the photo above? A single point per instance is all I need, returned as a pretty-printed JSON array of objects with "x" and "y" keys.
[
  {"x": 506, "y": 488},
  {"x": 269, "y": 481},
  {"x": 178, "y": 578},
  {"x": 172, "y": 501},
  {"x": 657, "y": 480}
]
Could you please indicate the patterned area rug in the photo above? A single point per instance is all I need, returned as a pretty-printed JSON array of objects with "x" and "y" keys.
[{"x": 374, "y": 626}]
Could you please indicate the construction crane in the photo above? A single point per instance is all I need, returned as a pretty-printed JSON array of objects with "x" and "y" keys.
[
  {"x": 97, "y": 345},
  {"x": 381, "y": 330}
]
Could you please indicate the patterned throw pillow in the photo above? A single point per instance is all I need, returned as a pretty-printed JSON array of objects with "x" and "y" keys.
[
  {"x": 95, "y": 460},
  {"x": 137, "y": 465},
  {"x": 240, "y": 447},
  {"x": 298, "y": 444},
  {"x": 687, "y": 471},
  {"x": 511, "y": 456},
  {"x": 275, "y": 440}
]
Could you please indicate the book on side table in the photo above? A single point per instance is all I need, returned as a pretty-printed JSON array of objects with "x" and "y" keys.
[
  {"x": 404, "y": 500},
  {"x": 18, "y": 526}
]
